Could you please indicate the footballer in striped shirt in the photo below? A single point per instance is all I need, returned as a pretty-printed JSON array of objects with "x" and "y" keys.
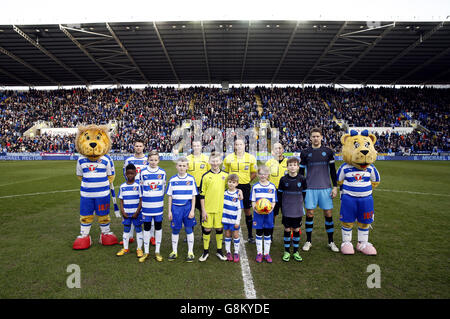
[{"x": 138, "y": 159}]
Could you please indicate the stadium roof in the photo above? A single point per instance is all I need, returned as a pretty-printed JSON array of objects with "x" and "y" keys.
[{"x": 269, "y": 51}]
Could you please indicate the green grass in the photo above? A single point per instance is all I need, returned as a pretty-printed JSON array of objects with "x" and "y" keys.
[{"x": 409, "y": 232}]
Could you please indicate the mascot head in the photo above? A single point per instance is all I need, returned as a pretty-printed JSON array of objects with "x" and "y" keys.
[
  {"x": 93, "y": 141},
  {"x": 358, "y": 149}
]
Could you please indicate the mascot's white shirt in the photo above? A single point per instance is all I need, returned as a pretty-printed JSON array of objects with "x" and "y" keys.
[
  {"x": 357, "y": 183},
  {"x": 95, "y": 174}
]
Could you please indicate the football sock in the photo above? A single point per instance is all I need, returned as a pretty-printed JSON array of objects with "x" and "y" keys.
[
  {"x": 85, "y": 229},
  {"x": 259, "y": 244},
  {"x": 219, "y": 238},
  {"x": 329, "y": 227},
  {"x": 346, "y": 234},
  {"x": 363, "y": 235},
  {"x": 190, "y": 241},
  {"x": 139, "y": 239},
  {"x": 175, "y": 238},
  {"x": 105, "y": 228},
  {"x": 131, "y": 230},
  {"x": 287, "y": 241},
  {"x": 227, "y": 244},
  {"x": 152, "y": 229},
  {"x": 309, "y": 223},
  {"x": 249, "y": 222},
  {"x": 267, "y": 243},
  {"x": 206, "y": 239},
  {"x": 158, "y": 237},
  {"x": 146, "y": 241},
  {"x": 295, "y": 240},
  {"x": 126, "y": 236},
  {"x": 237, "y": 242}
]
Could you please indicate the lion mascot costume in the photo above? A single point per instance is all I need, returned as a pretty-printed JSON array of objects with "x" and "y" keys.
[
  {"x": 95, "y": 170},
  {"x": 357, "y": 178}
]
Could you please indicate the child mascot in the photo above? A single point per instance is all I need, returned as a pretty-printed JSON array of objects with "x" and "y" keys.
[
  {"x": 357, "y": 177},
  {"x": 95, "y": 170}
]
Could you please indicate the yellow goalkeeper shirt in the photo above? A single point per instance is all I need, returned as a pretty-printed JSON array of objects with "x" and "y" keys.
[
  {"x": 243, "y": 166},
  {"x": 212, "y": 189},
  {"x": 198, "y": 165},
  {"x": 277, "y": 170}
]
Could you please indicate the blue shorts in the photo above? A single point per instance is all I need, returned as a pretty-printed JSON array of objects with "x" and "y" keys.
[
  {"x": 180, "y": 216},
  {"x": 321, "y": 197},
  {"x": 97, "y": 205},
  {"x": 356, "y": 208},
  {"x": 230, "y": 227},
  {"x": 148, "y": 219},
  {"x": 262, "y": 221},
  {"x": 135, "y": 221}
]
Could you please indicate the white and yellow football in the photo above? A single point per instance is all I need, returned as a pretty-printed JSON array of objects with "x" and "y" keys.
[{"x": 263, "y": 206}]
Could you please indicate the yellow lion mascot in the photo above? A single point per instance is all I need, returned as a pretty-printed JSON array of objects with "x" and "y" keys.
[
  {"x": 357, "y": 177},
  {"x": 95, "y": 169}
]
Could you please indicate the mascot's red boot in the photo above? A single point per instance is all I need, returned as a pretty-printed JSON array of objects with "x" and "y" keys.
[
  {"x": 108, "y": 239},
  {"x": 82, "y": 242}
]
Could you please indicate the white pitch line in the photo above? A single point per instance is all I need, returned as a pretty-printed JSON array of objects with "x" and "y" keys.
[
  {"x": 43, "y": 193},
  {"x": 40, "y": 193},
  {"x": 249, "y": 288},
  {"x": 409, "y": 192}
]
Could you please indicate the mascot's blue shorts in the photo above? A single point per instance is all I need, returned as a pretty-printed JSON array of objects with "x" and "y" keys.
[
  {"x": 357, "y": 208},
  {"x": 99, "y": 205}
]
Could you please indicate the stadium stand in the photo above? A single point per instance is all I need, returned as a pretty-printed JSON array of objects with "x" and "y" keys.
[{"x": 154, "y": 112}]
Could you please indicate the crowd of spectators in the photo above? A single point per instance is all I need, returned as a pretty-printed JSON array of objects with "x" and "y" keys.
[
  {"x": 154, "y": 113},
  {"x": 389, "y": 107},
  {"x": 295, "y": 111}
]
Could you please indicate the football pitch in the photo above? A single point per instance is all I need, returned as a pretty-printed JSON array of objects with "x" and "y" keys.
[{"x": 39, "y": 210}]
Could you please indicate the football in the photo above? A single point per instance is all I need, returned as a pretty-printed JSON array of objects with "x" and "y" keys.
[{"x": 263, "y": 206}]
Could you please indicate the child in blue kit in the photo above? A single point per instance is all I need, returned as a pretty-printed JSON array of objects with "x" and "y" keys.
[
  {"x": 182, "y": 191},
  {"x": 130, "y": 208},
  {"x": 231, "y": 217},
  {"x": 263, "y": 223}
]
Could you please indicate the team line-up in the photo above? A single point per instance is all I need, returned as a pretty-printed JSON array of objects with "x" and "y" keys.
[{"x": 220, "y": 190}]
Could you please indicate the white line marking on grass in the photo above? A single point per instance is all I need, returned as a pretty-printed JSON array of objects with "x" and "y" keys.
[
  {"x": 249, "y": 288},
  {"x": 43, "y": 193},
  {"x": 40, "y": 193},
  {"x": 409, "y": 192},
  {"x": 24, "y": 181}
]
